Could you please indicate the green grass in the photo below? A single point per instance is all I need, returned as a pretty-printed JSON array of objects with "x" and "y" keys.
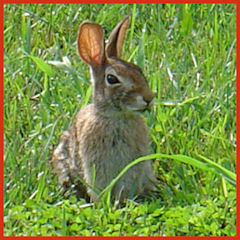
[{"x": 188, "y": 53}]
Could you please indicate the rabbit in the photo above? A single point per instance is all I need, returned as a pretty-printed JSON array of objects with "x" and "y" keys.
[{"x": 110, "y": 132}]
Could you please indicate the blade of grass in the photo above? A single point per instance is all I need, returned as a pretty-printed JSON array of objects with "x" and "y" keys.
[
  {"x": 230, "y": 174},
  {"x": 43, "y": 66},
  {"x": 181, "y": 158},
  {"x": 133, "y": 16}
]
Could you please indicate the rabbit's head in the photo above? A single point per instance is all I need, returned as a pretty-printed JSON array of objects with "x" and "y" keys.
[{"x": 117, "y": 85}]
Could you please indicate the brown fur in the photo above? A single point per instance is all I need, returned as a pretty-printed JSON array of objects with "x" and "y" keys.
[{"x": 107, "y": 134}]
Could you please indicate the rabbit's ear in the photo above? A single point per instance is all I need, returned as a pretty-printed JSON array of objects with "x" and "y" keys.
[
  {"x": 91, "y": 43},
  {"x": 115, "y": 40}
]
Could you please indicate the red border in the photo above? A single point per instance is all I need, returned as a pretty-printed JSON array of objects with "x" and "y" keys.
[
  {"x": 121, "y": 1},
  {"x": 238, "y": 116},
  {"x": 127, "y": 238},
  {"x": 110, "y": 1},
  {"x": 1, "y": 121},
  {"x": 130, "y": 238}
]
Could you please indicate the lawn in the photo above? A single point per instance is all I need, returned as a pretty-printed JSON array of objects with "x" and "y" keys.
[{"x": 188, "y": 54}]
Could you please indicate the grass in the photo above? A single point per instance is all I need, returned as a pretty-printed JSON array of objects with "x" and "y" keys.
[{"x": 188, "y": 53}]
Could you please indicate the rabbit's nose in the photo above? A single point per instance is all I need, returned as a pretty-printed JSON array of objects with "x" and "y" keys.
[
  {"x": 148, "y": 99},
  {"x": 149, "y": 103}
]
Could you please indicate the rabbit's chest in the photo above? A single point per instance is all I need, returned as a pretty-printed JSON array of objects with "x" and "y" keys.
[
  {"x": 107, "y": 146},
  {"x": 113, "y": 144}
]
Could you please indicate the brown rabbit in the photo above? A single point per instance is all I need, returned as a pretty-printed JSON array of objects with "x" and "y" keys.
[{"x": 109, "y": 133}]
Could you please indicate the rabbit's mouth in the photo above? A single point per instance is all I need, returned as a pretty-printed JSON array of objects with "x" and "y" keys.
[
  {"x": 137, "y": 108},
  {"x": 139, "y": 104}
]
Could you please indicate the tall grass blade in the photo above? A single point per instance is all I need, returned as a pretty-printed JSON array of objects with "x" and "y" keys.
[
  {"x": 43, "y": 66},
  {"x": 210, "y": 166}
]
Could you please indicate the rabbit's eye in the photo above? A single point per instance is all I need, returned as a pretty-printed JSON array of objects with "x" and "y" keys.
[{"x": 111, "y": 79}]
